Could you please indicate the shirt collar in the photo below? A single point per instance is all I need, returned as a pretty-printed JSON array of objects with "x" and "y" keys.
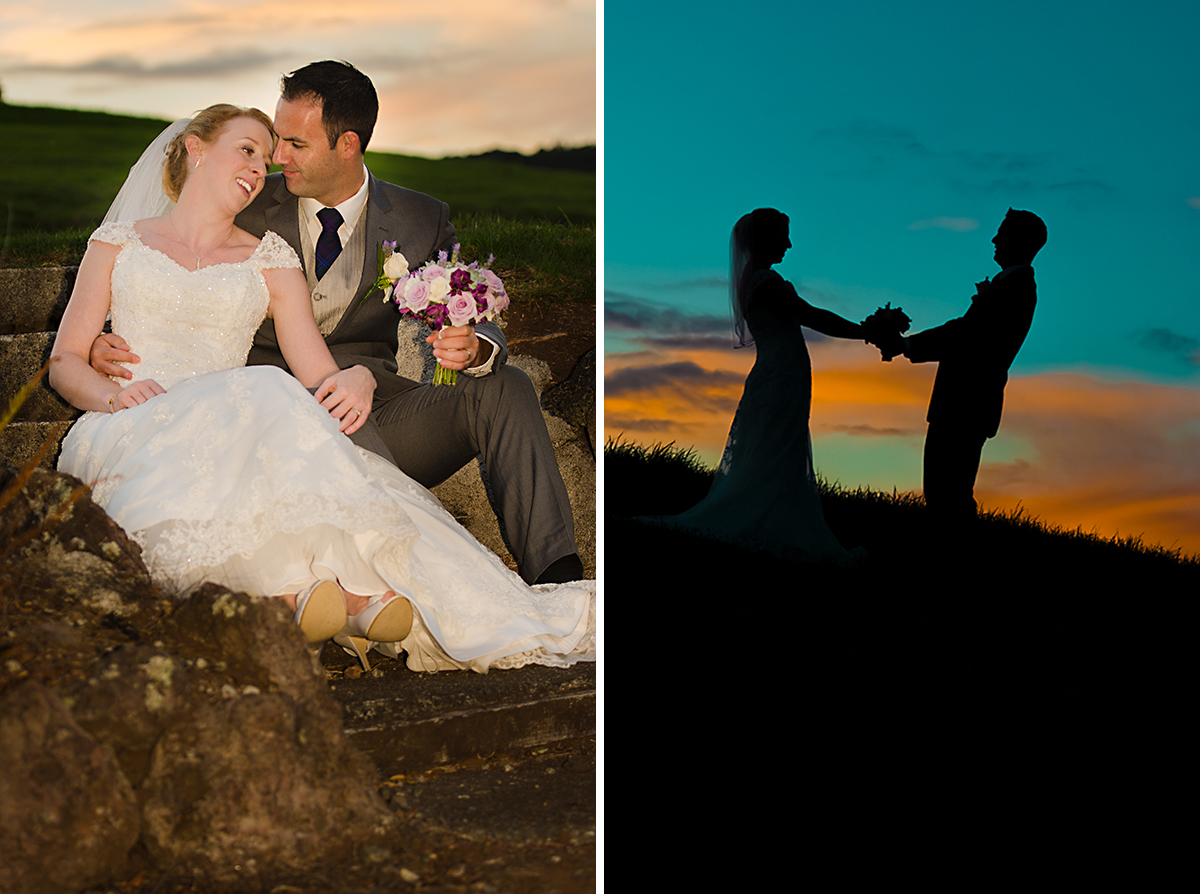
[
  {"x": 349, "y": 209},
  {"x": 1004, "y": 272}
]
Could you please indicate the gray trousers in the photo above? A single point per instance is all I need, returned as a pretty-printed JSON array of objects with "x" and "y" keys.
[{"x": 430, "y": 432}]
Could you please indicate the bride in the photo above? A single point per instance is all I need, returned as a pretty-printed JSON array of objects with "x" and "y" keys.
[
  {"x": 764, "y": 493},
  {"x": 237, "y": 474}
]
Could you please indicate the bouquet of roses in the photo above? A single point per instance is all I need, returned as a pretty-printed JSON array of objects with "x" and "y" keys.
[
  {"x": 884, "y": 328},
  {"x": 445, "y": 292}
]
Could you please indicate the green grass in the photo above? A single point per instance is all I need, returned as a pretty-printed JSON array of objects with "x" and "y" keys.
[
  {"x": 478, "y": 185},
  {"x": 35, "y": 248},
  {"x": 60, "y": 168},
  {"x": 542, "y": 262}
]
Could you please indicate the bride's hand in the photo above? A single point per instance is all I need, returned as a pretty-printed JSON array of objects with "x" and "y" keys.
[
  {"x": 106, "y": 350},
  {"x": 347, "y": 395},
  {"x": 136, "y": 393}
]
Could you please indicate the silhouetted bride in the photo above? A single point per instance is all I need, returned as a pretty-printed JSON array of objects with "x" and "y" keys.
[{"x": 764, "y": 495}]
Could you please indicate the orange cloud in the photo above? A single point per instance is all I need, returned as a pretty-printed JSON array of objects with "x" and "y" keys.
[
  {"x": 683, "y": 396},
  {"x": 1074, "y": 450},
  {"x": 1118, "y": 458}
]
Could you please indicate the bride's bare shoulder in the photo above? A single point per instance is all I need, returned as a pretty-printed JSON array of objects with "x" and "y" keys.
[
  {"x": 243, "y": 239},
  {"x": 152, "y": 226}
]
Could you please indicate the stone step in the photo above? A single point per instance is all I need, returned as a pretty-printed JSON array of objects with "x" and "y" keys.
[
  {"x": 20, "y": 442},
  {"x": 21, "y": 356},
  {"x": 33, "y": 300},
  {"x": 408, "y": 721}
]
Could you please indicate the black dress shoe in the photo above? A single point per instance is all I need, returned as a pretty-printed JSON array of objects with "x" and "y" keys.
[{"x": 562, "y": 570}]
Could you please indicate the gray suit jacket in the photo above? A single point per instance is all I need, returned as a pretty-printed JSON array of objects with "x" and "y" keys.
[{"x": 366, "y": 334}]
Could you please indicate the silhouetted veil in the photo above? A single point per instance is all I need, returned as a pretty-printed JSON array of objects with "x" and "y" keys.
[{"x": 764, "y": 495}]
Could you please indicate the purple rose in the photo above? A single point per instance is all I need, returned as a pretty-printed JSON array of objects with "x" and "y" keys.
[
  {"x": 435, "y": 316},
  {"x": 460, "y": 281}
]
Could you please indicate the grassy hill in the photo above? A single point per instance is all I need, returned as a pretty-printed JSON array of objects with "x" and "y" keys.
[
  {"x": 897, "y": 532},
  {"x": 1007, "y": 613},
  {"x": 60, "y": 168}
]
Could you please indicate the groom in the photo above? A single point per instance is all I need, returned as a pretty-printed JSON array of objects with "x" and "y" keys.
[
  {"x": 974, "y": 353},
  {"x": 334, "y": 213}
]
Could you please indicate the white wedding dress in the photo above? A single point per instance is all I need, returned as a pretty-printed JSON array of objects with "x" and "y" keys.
[
  {"x": 237, "y": 475},
  {"x": 764, "y": 494}
]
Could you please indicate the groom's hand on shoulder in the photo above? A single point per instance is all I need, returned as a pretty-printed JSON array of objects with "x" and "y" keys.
[{"x": 107, "y": 350}]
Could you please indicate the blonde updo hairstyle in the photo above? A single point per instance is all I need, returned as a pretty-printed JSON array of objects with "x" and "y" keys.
[{"x": 206, "y": 125}]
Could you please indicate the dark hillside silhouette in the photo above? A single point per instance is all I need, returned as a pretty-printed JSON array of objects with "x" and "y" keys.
[{"x": 1019, "y": 616}]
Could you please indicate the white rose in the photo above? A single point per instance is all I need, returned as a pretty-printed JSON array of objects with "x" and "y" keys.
[
  {"x": 396, "y": 266},
  {"x": 438, "y": 289}
]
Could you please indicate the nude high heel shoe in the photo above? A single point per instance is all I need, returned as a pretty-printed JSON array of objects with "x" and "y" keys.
[
  {"x": 320, "y": 611},
  {"x": 382, "y": 621}
]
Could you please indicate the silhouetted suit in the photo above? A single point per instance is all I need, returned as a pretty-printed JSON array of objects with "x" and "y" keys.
[
  {"x": 431, "y": 432},
  {"x": 974, "y": 353}
]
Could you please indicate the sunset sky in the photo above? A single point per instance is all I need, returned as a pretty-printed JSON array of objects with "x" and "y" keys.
[
  {"x": 454, "y": 77},
  {"x": 895, "y": 136}
]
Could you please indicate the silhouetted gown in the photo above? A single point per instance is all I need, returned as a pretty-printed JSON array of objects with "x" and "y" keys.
[{"x": 764, "y": 495}]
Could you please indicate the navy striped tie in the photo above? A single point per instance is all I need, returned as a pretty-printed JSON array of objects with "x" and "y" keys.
[{"x": 329, "y": 246}]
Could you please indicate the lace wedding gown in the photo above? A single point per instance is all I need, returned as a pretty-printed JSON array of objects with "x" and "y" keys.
[
  {"x": 237, "y": 475},
  {"x": 764, "y": 494}
]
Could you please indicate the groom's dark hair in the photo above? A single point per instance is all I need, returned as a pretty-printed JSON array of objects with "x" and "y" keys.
[
  {"x": 1028, "y": 229},
  {"x": 348, "y": 98}
]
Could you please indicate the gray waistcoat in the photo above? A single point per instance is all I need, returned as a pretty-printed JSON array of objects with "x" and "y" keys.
[{"x": 332, "y": 294}]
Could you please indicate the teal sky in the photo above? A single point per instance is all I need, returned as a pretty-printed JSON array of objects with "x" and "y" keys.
[{"x": 895, "y": 137}]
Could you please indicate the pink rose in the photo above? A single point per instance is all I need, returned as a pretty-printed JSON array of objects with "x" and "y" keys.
[
  {"x": 416, "y": 294},
  {"x": 493, "y": 281},
  {"x": 461, "y": 308}
]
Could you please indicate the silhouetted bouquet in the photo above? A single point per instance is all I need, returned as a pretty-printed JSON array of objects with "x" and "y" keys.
[
  {"x": 884, "y": 328},
  {"x": 445, "y": 292}
]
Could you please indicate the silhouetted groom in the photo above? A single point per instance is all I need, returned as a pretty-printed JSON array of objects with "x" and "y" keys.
[{"x": 974, "y": 353}]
